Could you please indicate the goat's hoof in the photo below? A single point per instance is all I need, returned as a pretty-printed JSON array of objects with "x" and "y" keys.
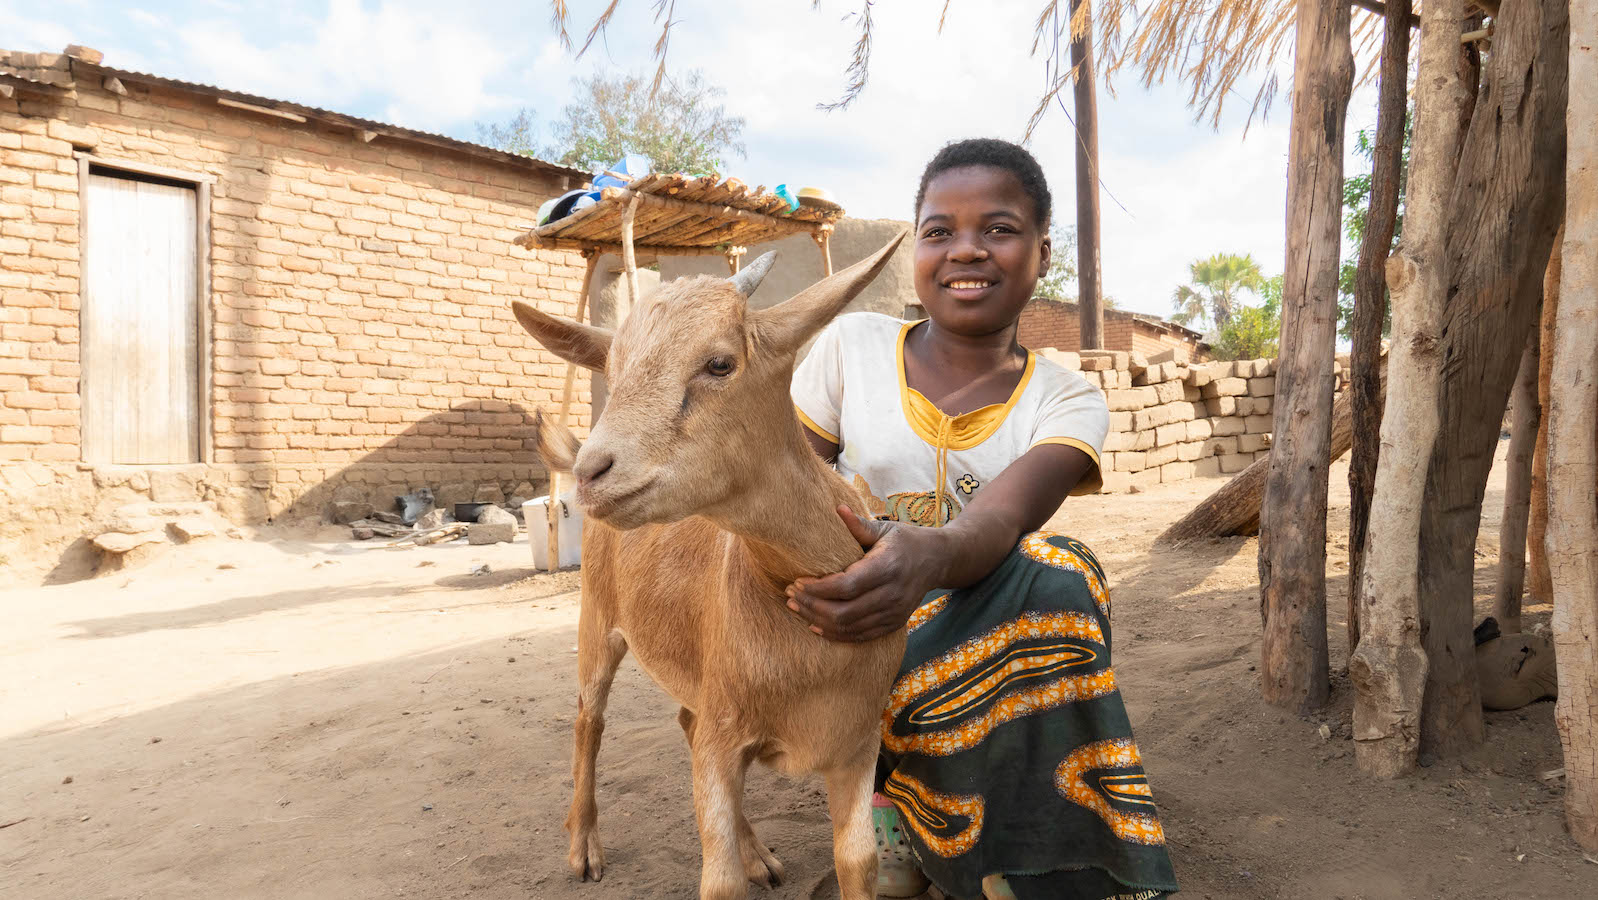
[
  {"x": 587, "y": 859},
  {"x": 762, "y": 867}
]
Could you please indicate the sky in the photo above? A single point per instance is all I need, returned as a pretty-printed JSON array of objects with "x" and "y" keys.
[{"x": 1175, "y": 190}]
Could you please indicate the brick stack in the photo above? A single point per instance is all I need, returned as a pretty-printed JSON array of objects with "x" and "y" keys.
[{"x": 1171, "y": 420}]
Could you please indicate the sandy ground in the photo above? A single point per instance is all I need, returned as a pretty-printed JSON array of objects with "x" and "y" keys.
[{"x": 318, "y": 718}]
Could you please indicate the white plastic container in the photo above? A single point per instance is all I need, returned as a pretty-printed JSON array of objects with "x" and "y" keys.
[{"x": 569, "y": 533}]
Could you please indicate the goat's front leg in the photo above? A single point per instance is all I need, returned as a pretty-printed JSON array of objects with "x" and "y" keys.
[
  {"x": 854, "y": 845},
  {"x": 599, "y": 652},
  {"x": 761, "y": 866},
  {"x": 719, "y": 769}
]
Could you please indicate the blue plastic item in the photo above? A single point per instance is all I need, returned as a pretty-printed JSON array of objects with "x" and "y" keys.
[
  {"x": 788, "y": 196},
  {"x": 632, "y": 165}
]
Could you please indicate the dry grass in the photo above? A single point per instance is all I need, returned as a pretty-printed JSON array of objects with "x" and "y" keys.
[{"x": 1217, "y": 48}]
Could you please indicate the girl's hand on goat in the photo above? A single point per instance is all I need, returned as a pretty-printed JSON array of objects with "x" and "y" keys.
[{"x": 875, "y": 596}]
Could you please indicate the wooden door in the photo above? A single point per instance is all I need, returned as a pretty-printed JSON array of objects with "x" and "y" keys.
[{"x": 140, "y": 341}]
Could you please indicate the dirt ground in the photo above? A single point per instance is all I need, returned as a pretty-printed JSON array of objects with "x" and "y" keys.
[{"x": 295, "y": 717}]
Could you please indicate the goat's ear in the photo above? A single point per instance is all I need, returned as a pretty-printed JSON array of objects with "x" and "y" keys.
[
  {"x": 584, "y": 345},
  {"x": 789, "y": 324}
]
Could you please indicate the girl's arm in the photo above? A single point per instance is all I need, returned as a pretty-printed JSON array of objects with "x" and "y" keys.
[{"x": 876, "y": 595}]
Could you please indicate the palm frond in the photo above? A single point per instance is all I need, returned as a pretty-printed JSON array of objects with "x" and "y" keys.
[
  {"x": 558, "y": 14},
  {"x": 599, "y": 25},
  {"x": 859, "y": 64}
]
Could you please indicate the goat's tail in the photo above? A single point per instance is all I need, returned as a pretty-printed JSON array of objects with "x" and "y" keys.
[{"x": 556, "y": 444}]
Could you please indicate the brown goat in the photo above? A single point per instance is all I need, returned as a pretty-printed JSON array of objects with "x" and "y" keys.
[{"x": 703, "y": 501}]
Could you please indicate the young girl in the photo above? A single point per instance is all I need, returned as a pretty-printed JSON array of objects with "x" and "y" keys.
[{"x": 1007, "y": 753}]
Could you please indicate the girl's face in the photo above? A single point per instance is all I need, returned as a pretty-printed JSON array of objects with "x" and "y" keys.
[{"x": 979, "y": 250}]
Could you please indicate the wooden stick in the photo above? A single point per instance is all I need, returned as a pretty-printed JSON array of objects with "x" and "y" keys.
[
  {"x": 716, "y": 249},
  {"x": 733, "y": 253},
  {"x": 823, "y": 239},
  {"x": 551, "y": 509},
  {"x": 719, "y": 211},
  {"x": 629, "y": 257}
]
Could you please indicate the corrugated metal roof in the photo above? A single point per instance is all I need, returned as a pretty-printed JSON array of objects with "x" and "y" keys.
[{"x": 352, "y": 122}]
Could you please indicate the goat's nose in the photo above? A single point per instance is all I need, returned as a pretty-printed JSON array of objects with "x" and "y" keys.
[{"x": 593, "y": 467}]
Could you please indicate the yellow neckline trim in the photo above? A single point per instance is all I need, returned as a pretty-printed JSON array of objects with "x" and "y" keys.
[{"x": 960, "y": 432}]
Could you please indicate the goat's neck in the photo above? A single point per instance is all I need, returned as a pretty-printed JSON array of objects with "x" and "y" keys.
[{"x": 787, "y": 519}]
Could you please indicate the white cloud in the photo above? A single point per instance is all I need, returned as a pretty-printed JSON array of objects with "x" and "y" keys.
[
  {"x": 419, "y": 68},
  {"x": 1188, "y": 191}
]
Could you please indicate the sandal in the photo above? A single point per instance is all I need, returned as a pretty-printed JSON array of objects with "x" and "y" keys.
[{"x": 897, "y": 874}]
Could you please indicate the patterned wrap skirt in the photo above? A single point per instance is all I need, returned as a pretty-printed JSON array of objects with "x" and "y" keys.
[{"x": 1006, "y": 747}]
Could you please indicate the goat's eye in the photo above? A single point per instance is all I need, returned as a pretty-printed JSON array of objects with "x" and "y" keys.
[{"x": 719, "y": 366}]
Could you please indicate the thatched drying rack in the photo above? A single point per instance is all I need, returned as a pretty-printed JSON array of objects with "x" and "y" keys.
[{"x": 670, "y": 215}]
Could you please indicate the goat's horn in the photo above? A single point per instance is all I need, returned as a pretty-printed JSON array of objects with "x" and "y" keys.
[{"x": 750, "y": 276}]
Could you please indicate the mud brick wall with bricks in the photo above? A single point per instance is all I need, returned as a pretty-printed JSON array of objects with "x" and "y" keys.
[
  {"x": 361, "y": 339},
  {"x": 1049, "y": 323},
  {"x": 1171, "y": 420}
]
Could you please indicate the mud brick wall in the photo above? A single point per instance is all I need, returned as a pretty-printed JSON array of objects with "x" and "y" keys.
[
  {"x": 1171, "y": 420},
  {"x": 1047, "y": 323},
  {"x": 359, "y": 294}
]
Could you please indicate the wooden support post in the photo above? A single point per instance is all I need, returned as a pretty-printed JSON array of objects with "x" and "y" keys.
[
  {"x": 553, "y": 508},
  {"x": 629, "y": 259},
  {"x": 1572, "y": 451},
  {"x": 823, "y": 239},
  {"x": 1295, "y": 668},
  {"x": 734, "y": 256},
  {"x": 1090, "y": 292},
  {"x": 1389, "y": 668}
]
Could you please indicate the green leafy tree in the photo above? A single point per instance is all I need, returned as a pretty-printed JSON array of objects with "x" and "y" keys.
[
  {"x": 519, "y": 135},
  {"x": 681, "y": 127},
  {"x": 1253, "y": 332},
  {"x": 1216, "y": 289},
  {"x": 1356, "y": 206},
  {"x": 1059, "y": 284}
]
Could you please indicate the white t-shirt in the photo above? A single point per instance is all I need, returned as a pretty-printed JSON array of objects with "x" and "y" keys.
[{"x": 902, "y": 451}]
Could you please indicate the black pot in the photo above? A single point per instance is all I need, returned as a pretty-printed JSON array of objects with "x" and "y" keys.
[{"x": 468, "y": 512}]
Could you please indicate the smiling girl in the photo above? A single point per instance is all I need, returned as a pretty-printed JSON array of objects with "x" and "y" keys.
[{"x": 1008, "y": 767}]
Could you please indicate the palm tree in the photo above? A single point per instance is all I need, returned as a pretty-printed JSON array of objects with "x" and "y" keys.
[{"x": 1213, "y": 293}]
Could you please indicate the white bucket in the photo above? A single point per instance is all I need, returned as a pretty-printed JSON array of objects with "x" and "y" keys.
[{"x": 569, "y": 531}]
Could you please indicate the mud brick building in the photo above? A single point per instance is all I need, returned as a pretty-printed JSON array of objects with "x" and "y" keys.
[
  {"x": 215, "y": 297},
  {"x": 1047, "y": 323}
]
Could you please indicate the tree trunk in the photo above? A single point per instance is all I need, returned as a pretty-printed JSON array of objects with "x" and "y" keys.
[
  {"x": 1573, "y": 447},
  {"x": 1235, "y": 508},
  {"x": 1292, "y": 557},
  {"x": 1539, "y": 581},
  {"x": 1389, "y": 666},
  {"x": 1508, "y": 200},
  {"x": 1525, "y": 416},
  {"x": 1370, "y": 293},
  {"x": 1090, "y": 292}
]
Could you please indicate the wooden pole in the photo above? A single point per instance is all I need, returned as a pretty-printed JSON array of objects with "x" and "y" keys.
[
  {"x": 1370, "y": 294},
  {"x": 552, "y": 509},
  {"x": 1295, "y": 669},
  {"x": 1572, "y": 448},
  {"x": 1090, "y": 292},
  {"x": 1539, "y": 580},
  {"x": 1507, "y": 200},
  {"x": 1526, "y": 416},
  {"x": 823, "y": 239},
  {"x": 629, "y": 259},
  {"x": 732, "y": 261},
  {"x": 1390, "y": 665}
]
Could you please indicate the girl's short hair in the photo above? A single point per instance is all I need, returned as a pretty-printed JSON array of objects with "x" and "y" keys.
[{"x": 1012, "y": 158}]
